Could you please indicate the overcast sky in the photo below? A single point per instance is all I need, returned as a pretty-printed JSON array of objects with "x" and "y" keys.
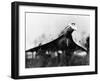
[{"x": 46, "y": 27}]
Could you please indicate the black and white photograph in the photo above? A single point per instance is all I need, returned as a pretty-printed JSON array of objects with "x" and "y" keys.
[
  {"x": 56, "y": 40},
  {"x": 51, "y": 40}
]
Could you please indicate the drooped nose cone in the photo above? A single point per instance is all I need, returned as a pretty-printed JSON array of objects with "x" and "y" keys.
[
  {"x": 68, "y": 30},
  {"x": 74, "y": 27}
]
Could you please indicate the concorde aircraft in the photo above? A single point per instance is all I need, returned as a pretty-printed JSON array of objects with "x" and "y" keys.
[
  {"x": 64, "y": 41},
  {"x": 64, "y": 44}
]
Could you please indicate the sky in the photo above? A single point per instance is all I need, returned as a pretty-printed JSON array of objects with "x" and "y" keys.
[{"x": 44, "y": 27}]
